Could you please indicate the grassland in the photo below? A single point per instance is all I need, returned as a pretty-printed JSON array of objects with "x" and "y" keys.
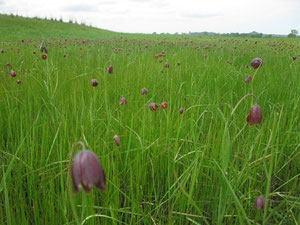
[{"x": 205, "y": 166}]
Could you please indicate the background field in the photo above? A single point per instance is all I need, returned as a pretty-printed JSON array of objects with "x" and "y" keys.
[{"x": 206, "y": 166}]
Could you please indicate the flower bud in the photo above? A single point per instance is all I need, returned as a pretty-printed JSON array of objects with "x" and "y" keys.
[
  {"x": 117, "y": 140},
  {"x": 248, "y": 79}
]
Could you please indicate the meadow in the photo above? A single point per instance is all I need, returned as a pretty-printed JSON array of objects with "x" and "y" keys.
[{"x": 204, "y": 166}]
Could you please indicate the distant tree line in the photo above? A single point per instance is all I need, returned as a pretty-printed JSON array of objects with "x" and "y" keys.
[
  {"x": 82, "y": 23},
  {"x": 253, "y": 34}
]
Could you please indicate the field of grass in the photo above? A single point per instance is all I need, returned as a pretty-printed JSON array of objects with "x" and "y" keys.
[{"x": 205, "y": 166}]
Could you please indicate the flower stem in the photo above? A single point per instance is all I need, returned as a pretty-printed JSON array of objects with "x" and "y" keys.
[
  {"x": 69, "y": 180},
  {"x": 242, "y": 99}
]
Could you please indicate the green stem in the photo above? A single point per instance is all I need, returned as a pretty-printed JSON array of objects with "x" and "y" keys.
[
  {"x": 242, "y": 99},
  {"x": 69, "y": 180}
]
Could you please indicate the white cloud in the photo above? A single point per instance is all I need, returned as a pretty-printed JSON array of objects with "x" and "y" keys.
[{"x": 147, "y": 16}]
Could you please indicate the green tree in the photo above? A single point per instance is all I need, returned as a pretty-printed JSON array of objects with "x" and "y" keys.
[{"x": 293, "y": 33}]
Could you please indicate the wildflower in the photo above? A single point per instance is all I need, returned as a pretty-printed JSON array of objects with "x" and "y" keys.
[
  {"x": 257, "y": 62},
  {"x": 255, "y": 115},
  {"x": 123, "y": 101},
  {"x": 260, "y": 203},
  {"x": 181, "y": 110},
  {"x": 153, "y": 106},
  {"x": 110, "y": 69},
  {"x": 13, "y": 73},
  {"x": 144, "y": 91},
  {"x": 94, "y": 83},
  {"x": 87, "y": 172},
  {"x": 164, "y": 105},
  {"x": 248, "y": 79}
]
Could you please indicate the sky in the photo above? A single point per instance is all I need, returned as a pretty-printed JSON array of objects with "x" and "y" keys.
[{"x": 168, "y": 16}]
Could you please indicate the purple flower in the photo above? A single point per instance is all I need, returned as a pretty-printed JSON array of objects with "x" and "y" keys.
[
  {"x": 123, "y": 101},
  {"x": 260, "y": 203},
  {"x": 94, "y": 83},
  {"x": 257, "y": 62},
  {"x": 153, "y": 106},
  {"x": 87, "y": 172},
  {"x": 144, "y": 91},
  {"x": 13, "y": 73},
  {"x": 181, "y": 110},
  {"x": 110, "y": 69},
  {"x": 255, "y": 115},
  {"x": 248, "y": 79}
]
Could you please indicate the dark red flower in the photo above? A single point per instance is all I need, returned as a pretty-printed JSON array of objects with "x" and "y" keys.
[
  {"x": 110, "y": 69},
  {"x": 18, "y": 82},
  {"x": 8, "y": 64},
  {"x": 117, "y": 140},
  {"x": 44, "y": 49},
  {"x": 248, "y": 79},
  {"x": 153, "y": 106},
  {"x": 13, "y": 73},
  {"x": 44, "y": 56},
  {"x": 144, "y": 91},
  {"x": 34, "y": 52},
  {"x": 87, "y": 172},
  {"x": 257, "y": 62},
  {"x": 164, "y": 105},
  {"x": 94, "y": 82},
  {"x": 294, "y": 58},
  {"x": 178, "y": 63},
  {"x": 181, "y": 110},
  {"x": 166, "y": 65},
  {"x": 123, "y": 101},
  {"x": 255, "y": 115},
  {"x": 260, "y": 203},
  {"x": 205, "y": 55}
]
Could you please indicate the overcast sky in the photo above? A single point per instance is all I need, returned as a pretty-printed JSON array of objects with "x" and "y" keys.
[{"x": 147, "y": 16}]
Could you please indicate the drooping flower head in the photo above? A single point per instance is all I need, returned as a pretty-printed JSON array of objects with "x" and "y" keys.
[
  {"x": 255, "y": 115},
  {"x": 260, "y": 203},
  {"x": 87, "y": 172},
  {"x": 257, "y": 62}
]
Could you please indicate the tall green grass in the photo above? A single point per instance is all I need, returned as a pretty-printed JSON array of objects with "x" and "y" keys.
[{"x": 206, "y": 166}]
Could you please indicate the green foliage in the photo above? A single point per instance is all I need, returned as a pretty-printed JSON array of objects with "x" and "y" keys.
[{"x": 293, "y": 33}]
